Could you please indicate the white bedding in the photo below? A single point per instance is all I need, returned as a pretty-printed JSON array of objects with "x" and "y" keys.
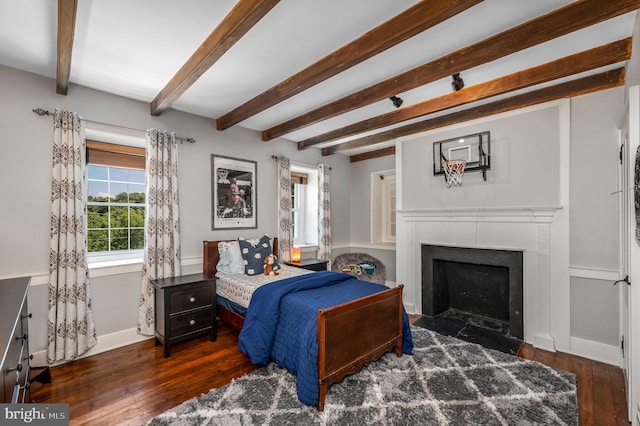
[{"x": 239, "y": 287}]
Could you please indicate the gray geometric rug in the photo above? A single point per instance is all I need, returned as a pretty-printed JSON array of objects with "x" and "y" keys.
[{"x": 446, "y": 382}]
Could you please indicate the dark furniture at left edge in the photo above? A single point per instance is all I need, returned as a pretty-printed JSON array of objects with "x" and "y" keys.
[
  {"x": 185, "y": 308},
  {"x": 14, "y": 340}
]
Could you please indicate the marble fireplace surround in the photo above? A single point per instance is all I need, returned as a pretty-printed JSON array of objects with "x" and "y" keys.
[{"x": 541, "y": 233}]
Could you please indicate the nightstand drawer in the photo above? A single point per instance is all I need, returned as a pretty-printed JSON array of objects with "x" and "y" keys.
[
  {"x": 191, "y": 298},
  {"x": 190, "y": 322}
]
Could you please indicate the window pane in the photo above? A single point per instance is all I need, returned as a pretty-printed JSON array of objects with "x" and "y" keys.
[
  {"x": 137, "y": 217},
  {"x": 97, "y": 172},
  {"x": 97, "y": 191},
  {"x": 136, "y": 193},
  {"x": 118, "y": 174},
  {"x": 97, "y": 240},
  {"x": 119, "y": 217},
  {"x": 97, "y": 217},
  {"x": 136, "y": 176},
  {"x": 119, "y": 193},
  {"x": 137, "y": 239},
  {"x": 119, "y": 239}
]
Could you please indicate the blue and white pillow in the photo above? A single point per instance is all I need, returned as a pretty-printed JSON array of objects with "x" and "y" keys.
[
  {"x": 254, "y": 252},
  {"x": 231, "y": 261}
]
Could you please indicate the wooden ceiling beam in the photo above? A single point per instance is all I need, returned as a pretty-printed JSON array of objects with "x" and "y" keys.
[
  {"x": 588, "y": 60},
  {"x": 383, "y": 152},
  {"x": 66, "y": 32},
  {"x": 416, "y": 19},
  {"x": 578, "y": 87},
  {"x": 244, "y": 15},
  {"x": 570, "y": 18}
]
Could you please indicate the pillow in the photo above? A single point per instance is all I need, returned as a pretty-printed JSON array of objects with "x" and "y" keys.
[
  {"x": 230, "y": 258},
  {"x": 254, "y": 252}
]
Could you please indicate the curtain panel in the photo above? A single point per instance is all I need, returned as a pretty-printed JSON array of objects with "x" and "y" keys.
[
  {"x": 285, "y": 237},
  {"x": 71, "y": 330},
  {"x": 162, "y": 222},
  {"x": 324, "y": 214}
]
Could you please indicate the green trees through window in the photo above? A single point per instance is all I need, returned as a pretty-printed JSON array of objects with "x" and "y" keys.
[{"x": 115, "y": 209}]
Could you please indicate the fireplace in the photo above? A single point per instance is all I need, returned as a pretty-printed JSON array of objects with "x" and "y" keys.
[{"x": 481, "y": 288}]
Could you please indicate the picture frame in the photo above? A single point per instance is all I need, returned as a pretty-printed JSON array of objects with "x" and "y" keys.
[{"x": 234, "y": 193}]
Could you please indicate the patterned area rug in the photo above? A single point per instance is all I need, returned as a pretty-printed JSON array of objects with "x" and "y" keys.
[{"x": 446, "y": 382}]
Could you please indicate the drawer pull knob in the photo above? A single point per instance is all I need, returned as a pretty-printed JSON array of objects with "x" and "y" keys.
[
  {"x": 192, "y": 322},
  {"x": 30, "y": 357},
  {"x": 26, "y": 316},
  {"x": 25, "y": 336},
  {"x": 18, "y": 369},
  {"x": 192, "y": 299}
]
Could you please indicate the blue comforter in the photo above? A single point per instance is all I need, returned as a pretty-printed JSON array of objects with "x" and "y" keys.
[{"x": 281, "y": 323}]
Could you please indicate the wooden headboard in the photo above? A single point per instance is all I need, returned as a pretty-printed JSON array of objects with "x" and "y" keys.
[{"x": 211, "y": 256}]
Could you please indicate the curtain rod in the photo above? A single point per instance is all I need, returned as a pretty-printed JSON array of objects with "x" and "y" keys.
[
  {"x": 42, "y": 112},
  {"x": 275, "y": 157}
]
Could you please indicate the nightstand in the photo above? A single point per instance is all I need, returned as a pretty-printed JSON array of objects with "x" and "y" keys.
[
  {"x": 310, "y": 264},
  {"x": 185, "y": 308}
]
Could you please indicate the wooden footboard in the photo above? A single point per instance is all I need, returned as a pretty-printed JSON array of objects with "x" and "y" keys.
[{"x": 353, "y": 334}]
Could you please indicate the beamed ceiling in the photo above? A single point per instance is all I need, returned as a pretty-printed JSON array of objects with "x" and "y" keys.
[{"x": 320, "y": 73}]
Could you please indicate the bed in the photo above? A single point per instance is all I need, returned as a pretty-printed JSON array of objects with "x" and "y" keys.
[{"x": 345, "y": 336}]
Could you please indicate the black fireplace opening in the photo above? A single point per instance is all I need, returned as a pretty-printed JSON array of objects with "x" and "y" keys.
[
  {"x": 478, "y": 289},
  {"x": 474, "y": 294}
]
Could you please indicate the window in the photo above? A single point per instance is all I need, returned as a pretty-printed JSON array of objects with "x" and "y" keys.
[
  {"x": 115, "y": 201},
  {"x": 297, "y": 210},
  {"x": 304, "y": 205},
  {"x": 383, "y": 207}
]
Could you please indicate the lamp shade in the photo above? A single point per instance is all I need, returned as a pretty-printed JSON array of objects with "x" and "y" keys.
[{"x": 295, "y": 254}]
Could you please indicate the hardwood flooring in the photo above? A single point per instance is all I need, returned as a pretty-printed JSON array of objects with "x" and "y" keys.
[{"x": 130, "y": 385}]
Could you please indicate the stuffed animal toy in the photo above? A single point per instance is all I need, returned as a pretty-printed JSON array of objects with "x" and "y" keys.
[{"x": 271, "y": 266}]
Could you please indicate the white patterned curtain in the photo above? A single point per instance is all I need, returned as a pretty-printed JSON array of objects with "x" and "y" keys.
[
  {"x": 162, "y": 222},
  {"x": 285, "y": 239},
  {"x": 71, "y": 330},
  {"x": 324, "y": 214}
]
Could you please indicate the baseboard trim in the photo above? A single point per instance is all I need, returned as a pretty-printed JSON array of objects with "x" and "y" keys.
[
  {"x": 105, "y": 343},
  {"x": 608, "y": 354}
]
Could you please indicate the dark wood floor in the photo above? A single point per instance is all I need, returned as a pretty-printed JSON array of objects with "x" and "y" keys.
[{"x": 132, "y": 384}]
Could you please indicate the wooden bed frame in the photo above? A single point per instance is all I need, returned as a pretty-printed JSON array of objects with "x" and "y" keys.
[{"x": 350, "y": 335}]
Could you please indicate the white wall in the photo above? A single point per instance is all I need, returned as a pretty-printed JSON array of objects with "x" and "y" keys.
[
  {"x": 361, "y": 213},
  {"x": 524, "y": 166},
  {"x": 594, "y": 216},
  {"x": 25, "y": 170}
]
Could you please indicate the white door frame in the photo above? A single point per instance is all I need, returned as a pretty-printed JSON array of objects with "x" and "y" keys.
[{"x": 632, "y": 343}]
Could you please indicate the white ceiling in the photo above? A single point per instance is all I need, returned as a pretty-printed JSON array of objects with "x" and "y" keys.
[{"x": 133, "y": 48}]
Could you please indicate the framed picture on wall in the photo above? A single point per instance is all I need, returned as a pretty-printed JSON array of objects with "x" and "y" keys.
[{"x": 233, "y": 193}]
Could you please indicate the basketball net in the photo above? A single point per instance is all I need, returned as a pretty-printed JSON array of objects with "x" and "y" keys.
[{"x": 453, "y": 171}]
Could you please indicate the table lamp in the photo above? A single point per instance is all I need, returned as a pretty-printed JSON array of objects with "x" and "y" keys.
[{"x": 295, "y": 254}]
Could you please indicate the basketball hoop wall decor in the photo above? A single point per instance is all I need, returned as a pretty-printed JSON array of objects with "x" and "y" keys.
[{"x": 453, "y": 157}]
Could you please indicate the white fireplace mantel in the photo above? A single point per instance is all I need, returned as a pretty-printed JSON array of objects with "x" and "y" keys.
[
  {"x": 538, "y": 231},
  {"x": 535, "y": 214}
]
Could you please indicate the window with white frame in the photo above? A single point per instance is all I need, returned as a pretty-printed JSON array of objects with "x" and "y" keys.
[
  {"x": 383, "y": 207},
  {"x": 115, "y": 201},
  {"x": 304, "y": 205}
]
